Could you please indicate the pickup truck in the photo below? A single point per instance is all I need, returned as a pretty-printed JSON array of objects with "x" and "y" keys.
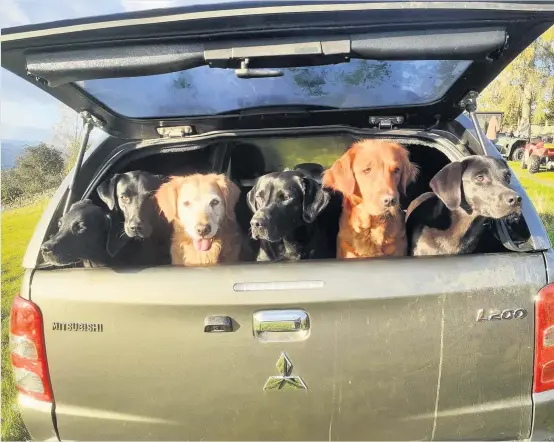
[{"x": 430, "y": 348}]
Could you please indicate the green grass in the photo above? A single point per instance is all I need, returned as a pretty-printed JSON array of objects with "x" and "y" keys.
[
  {"x": 17, "y": 228},
  {"x": 540, "y": 188}
]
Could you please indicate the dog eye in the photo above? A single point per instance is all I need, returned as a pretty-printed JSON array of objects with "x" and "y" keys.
[
  {"x": 479, "y": 178},
  {"x": 214, "y": 202},
  {"x": 508, "y": 177},
  {"x": 397, "y": 170},
  {"x": 59, "y": 224},
  {"x": 78, "y": 228},
  {"x": 367, "y": 170},
  {"x": 125, "y": 199}
]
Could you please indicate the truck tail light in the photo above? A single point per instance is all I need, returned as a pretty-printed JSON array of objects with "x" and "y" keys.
[
  {"x": 27, "y": 350},
  {"x": 544, "y": 340}
]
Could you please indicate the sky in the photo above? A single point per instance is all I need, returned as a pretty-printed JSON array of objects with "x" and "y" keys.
[{"x": 26, "y": 112}]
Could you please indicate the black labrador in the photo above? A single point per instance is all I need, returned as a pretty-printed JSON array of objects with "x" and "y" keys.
[
  {"x": 82, "y": 236},
  {"x": 139, "y": 234},
  {"x": 285, "y": 207},
  {"x": 466, "y": 195}
]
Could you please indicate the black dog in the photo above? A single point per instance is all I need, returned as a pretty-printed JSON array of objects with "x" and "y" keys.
[
  {"x": 466, "y": 194},
  {"x": 83, "y": 232},
  {"x": 136, "y": 215},
  {"x": 285, "y": 206},
  {"x": 131, "y": 193}
]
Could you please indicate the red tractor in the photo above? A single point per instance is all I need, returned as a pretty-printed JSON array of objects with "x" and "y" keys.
[{"x": 536, "y": 155}]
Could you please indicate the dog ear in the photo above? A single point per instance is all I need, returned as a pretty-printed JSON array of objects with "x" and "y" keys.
[
  {"x": 160, "y": 179},
  {"x": 409, "y": 175},
  {"x": 106, "y": 191},
  {"x": 251, "y": 198},
  {"x": 231, "y": 193},
  {"x": 315, "y": 199},
  {"x": 166, "y": 197},
  {"x": 447, "y": 184},
  {"x": 340, "y": 176}
]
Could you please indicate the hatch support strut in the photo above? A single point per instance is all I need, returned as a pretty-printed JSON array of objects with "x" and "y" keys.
[
  {"x": 89, "y": 122},
  {"x": 469, "y": 104}
]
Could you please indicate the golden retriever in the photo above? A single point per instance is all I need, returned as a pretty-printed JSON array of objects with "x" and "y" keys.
[
  {"x": 201, "y": 209},
  {"x": 371, "y": 175}
]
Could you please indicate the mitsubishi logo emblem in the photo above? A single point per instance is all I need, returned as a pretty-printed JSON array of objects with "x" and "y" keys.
[{"x": 285, "y": 380}]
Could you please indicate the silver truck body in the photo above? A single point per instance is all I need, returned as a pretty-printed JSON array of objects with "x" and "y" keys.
[{"x": 387, "y": 349}]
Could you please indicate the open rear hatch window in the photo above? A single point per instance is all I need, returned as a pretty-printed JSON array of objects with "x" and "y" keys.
[
  {"x": 216, "y": 68},
  {"x": 208, "y": 91}
]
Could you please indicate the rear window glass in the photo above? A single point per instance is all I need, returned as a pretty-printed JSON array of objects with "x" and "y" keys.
[{"x": 207, "y": 91}]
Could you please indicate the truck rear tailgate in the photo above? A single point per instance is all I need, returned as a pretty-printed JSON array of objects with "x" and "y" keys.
[{"x": 393, "y": 350}]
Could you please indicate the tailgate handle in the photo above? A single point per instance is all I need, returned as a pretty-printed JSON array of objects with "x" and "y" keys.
[{"x": 281, "y": 325}]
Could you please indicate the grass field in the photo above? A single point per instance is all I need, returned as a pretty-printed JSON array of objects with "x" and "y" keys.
[
  {"x": 540, "y": 188},
  {"x": 17, "y": 228}
]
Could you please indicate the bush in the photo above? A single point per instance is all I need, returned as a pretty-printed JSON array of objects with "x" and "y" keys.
[
  {"x": 38, "y": 169},
  {"x": 11, "y": 189}
]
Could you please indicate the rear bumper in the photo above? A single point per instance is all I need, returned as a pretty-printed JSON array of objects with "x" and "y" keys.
[
  {"x": 37, "y": 416},
  {"x": 543, "y": 422}
]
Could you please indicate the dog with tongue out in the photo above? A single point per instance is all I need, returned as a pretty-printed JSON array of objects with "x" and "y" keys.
[{"x": 201, "y": 210}]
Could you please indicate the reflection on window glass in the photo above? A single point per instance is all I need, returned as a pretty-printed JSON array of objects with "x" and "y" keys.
[
  {"x": 280, "y": 153},
  {"x": 205, "y": 90}
]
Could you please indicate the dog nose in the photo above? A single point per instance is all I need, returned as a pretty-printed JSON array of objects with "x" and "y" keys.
[
  {"x": 203, "y": 229},
  {"x": 135, "y": 228},
  {"x": 389, "y": 201},
  {"x": 257, "y": 222},
  {"x": 513, "y": 200},
  {"x": 46, "y": 248}
]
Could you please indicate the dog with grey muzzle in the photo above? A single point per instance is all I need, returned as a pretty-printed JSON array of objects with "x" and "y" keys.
[
  {"x": 285, "y": 207},
  {"x": 138, "y": 229}
]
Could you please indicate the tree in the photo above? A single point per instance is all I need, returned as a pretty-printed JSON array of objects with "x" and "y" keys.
[
  {"x": 68, "y": 136},
  {"x": 40, "y": 168},
  {"x": 367, "y": 74},
  {"x": 522, "y": 91},
  {"x": 549, "y": 108},
  {"x": 11, "y": 187},
  {"x": 312, "y": 81}
]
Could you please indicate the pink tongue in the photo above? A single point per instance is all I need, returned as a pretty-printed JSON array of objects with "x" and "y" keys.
[{"x": 202, "y": 244}]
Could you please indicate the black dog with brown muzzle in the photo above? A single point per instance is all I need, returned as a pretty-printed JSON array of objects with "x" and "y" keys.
[{"x": 466, "y": 194}]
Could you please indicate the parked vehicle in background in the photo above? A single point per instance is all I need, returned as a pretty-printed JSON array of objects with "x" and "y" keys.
[
  {"x": 537, "y": 154},
  {"x": 510, "y": 146}
]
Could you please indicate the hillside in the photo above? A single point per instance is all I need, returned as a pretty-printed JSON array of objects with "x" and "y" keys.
[{"x": 11, "y": 149}]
